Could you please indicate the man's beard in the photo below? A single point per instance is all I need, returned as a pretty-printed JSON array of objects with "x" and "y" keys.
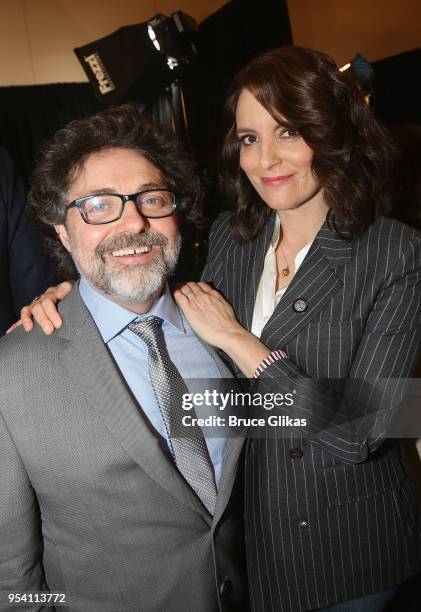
[{"x": 135, "y": 283}]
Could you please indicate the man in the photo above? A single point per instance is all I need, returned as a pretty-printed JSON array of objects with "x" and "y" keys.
[
  {"x": 24, "y": 269},
  {"x": 98, "y": 500}
]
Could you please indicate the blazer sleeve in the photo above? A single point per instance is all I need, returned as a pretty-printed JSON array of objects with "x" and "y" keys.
[
  {"x": 350, "y": 419},
  {"x": 20, "y": 527},
  {"x": 30, "y": 271}
]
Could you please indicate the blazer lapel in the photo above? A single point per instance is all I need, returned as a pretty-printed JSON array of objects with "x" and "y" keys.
[
  {"x": 89, "y": 363},
  {"x": 246, "y": 266},
  {"x": 315, "y": 282},
  {"x": 229, "y": 471}
]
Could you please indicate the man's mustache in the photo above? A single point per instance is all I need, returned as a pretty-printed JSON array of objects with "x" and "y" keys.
[{"x": 147, "y": 238}]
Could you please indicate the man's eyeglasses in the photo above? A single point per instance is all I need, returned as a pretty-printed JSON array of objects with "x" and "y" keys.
[{"x": 108, "y": 207}]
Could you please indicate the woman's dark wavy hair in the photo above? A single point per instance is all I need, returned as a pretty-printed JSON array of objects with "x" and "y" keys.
[
  {"x": 126, "y": 127},
  {"x": 304, "y": 89}
]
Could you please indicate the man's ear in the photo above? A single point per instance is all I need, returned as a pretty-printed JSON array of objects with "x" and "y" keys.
[{"x": 63, "y": 235}]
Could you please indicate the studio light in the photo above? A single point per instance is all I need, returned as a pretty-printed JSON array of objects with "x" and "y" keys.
[{"x": 139, "y": 62}]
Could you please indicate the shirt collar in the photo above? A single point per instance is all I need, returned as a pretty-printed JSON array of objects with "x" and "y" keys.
[
  {"x": 111, "y": 318},
  {"x": 275, "y": 235},
  {"x": 274, "y": 241}
]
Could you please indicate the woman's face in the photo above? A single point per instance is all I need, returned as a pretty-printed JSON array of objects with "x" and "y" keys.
[{"x": 275, "y": 159}]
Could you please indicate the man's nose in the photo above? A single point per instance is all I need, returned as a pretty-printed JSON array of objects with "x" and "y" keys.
[{"x": 132, "y": 219}]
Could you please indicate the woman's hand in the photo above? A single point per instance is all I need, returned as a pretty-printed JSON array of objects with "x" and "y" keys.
[
  {"x": 208, "y": 313},
  {"x": 213, "y": 319},
  {"x": 43, "y": 309}
]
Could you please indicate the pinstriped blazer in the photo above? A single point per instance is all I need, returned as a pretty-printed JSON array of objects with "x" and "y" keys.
[{"x": 330, "y": 517}]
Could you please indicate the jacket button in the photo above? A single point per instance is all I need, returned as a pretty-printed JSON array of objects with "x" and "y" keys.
[
  {"x": 300, "y": 305},
  {"x": 296, "y": 453},
  {"x": 225, "y": 588},
  {"x": 303, "y": 523}
]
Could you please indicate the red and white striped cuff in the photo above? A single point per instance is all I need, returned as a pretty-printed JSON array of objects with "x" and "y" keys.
[{"x": 268, "y": 360}]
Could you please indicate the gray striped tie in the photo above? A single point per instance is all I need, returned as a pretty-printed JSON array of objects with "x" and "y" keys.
[{"x": 187, "y": 444}]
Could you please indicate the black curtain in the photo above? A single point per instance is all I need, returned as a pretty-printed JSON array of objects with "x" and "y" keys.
[
  {"x": 229, "y": 39},
  {"x": 31, "y": 114},
  {"x": 397, "y": 88}
]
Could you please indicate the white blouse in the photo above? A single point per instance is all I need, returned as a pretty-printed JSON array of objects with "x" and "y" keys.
[{"x": 267, "y": 297}]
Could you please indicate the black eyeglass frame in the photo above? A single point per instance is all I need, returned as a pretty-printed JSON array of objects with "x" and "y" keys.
[{"x": 78, "y": 203}]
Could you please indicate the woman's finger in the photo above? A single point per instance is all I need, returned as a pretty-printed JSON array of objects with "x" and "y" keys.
[
  {"x": 50, "y": 311},
  {"x": 14, "y": 326},
  {"x": 182, "y": 288},
  {"x": 210, "y": 292},
  {"x": 26, "y": 318},
  {"x": 61, "y": 290},
  {"x": 41, "y": 317},
  {"x": 205, "y": 287},
  {"x": 44, "y": 310},
  {"x": 201, "y": 289},
  {"x": 193, "y": 288},
  {"x": 181, "y": 298}
]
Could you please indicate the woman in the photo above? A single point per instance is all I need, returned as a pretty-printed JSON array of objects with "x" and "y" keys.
[{"x": 322, "y": 299}]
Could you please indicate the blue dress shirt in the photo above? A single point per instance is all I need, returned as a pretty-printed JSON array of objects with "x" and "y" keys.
[{"x": 131, "y": 355}]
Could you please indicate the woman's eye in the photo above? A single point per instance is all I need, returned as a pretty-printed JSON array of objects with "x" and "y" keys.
[
  {"x": 288, "y": 133},
  {"x": 247, "y": 140}
]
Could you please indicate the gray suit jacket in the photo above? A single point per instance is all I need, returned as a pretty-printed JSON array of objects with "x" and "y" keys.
[
  {"x": 89, "y": 504},
  {"x": 330, "y": 517}
]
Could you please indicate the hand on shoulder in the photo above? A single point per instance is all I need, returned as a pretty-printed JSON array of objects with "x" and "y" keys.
[{"x": 43, "y": 309}]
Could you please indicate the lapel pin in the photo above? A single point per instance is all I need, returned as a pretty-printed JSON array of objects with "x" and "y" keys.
[{"x": 300, "y": 305}]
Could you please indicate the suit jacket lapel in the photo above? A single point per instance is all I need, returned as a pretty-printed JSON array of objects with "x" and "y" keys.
[
  {"x": 315, "y": 282},
  {"x": 234, "y": 444},
  {"x": 229, "y": 471},
  {"x": 91, "y": 366}
]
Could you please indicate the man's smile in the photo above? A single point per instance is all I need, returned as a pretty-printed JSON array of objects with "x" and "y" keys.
[
  {"x": 131, "y": 251},
  {"x": 134, "y": 255}
]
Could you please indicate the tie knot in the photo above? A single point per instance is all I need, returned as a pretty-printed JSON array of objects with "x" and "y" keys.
[{"x": 147, "y": 329}]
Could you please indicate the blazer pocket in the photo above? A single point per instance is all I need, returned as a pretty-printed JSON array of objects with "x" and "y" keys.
[
  {"x": 340, "y": 330},
  {"x": 348, "y": 483}
]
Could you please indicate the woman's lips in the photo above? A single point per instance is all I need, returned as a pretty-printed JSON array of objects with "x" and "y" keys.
[{"x": 272, "y": 181}]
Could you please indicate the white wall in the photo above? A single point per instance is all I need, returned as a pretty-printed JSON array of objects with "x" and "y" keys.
[{"x": 37, "y": 37}]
